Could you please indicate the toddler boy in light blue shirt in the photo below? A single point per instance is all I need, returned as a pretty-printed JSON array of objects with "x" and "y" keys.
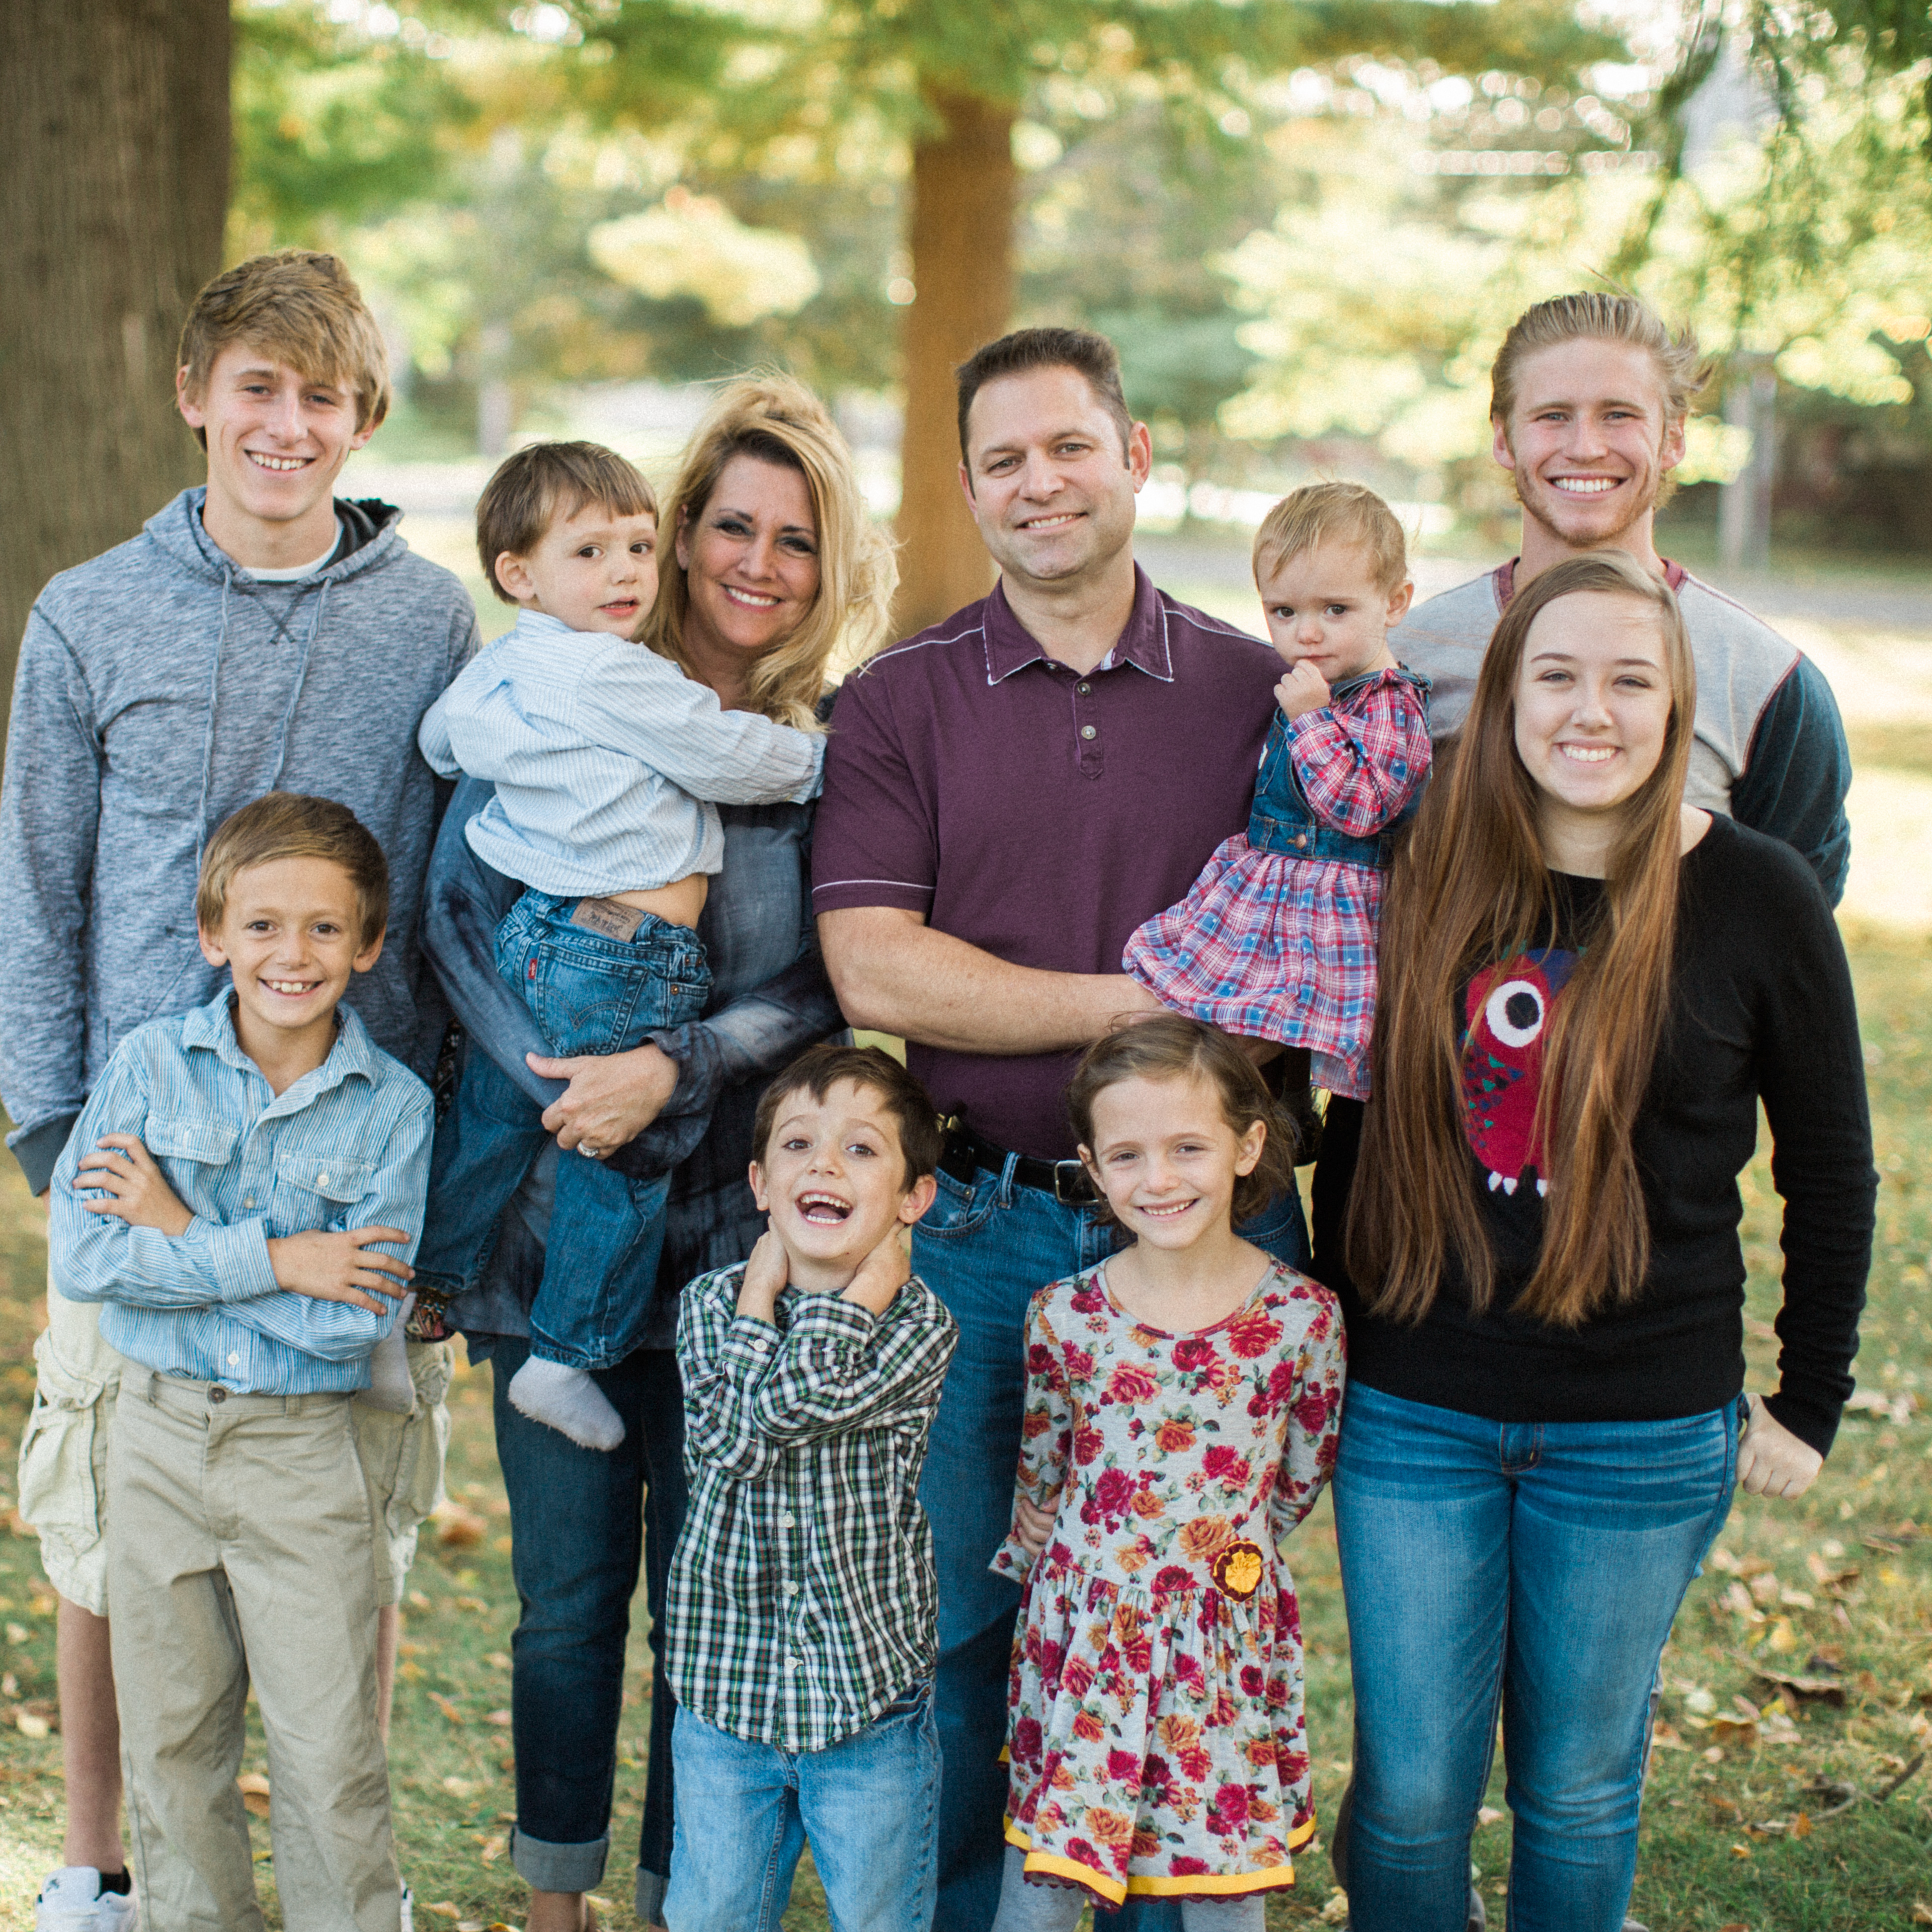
[
  {"x": 609, "y": 763},
  {"x": 241, "y": 1193}
]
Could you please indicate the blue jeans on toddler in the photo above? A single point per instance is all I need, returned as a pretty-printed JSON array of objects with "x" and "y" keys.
[
  {"x": 868, "y": 1805},
  {"x": 589, "y": 993},
  {"x": 1531, "y": 1567}
]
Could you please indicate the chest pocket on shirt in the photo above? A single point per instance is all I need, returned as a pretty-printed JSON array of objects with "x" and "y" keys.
[
  {"x": 184, "y": 1143},
  {"x": 318, "y": 1191}
]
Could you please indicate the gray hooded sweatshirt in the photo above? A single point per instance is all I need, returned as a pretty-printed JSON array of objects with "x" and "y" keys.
[{"x": 161, "y": 687}]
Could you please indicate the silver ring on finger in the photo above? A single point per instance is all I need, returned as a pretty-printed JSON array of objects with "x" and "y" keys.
[{"x": 585, "y": 1149}]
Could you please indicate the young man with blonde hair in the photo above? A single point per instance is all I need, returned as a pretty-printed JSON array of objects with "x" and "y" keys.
[
  {"x": 258, "y": 634},
  {"x": 1589, "y": 396}
]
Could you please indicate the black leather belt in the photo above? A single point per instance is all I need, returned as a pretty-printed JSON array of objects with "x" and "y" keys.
[{"x": 966, "y": 1153}]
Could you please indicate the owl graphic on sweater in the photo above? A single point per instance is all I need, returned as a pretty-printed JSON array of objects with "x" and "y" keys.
[{"x": 1506, "y": 1011}]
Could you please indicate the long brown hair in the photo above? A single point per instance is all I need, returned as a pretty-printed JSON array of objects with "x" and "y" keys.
[
  {"x": 779, "y": 420},
  {"x": 1471, "y": 887}
]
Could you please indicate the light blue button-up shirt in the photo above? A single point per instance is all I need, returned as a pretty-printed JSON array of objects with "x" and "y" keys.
[
  {"x": 346, "y": 1146},
  {"x": 609, "y": 762}
]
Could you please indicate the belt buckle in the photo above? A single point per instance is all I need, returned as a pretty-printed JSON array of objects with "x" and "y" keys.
[{"x": 1081, "y": 1180}]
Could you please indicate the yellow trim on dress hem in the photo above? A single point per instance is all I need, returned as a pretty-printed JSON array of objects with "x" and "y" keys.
[{"x": 1192, "y": 1885}]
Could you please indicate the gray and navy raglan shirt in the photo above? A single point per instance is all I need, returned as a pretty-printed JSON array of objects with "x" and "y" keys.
[
  {"x": 162, "y": 686},
  {"x": 1770, "y": 750}
]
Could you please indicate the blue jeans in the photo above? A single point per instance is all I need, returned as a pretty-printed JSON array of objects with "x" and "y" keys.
[
  {"x": 985, "y": 1248},
  {"x": 1536, "y": 1566},
  {"x": 589, "y": 994},
  {"x": 866, "y": 1805},
  {"x": 578, "y": 1520}
]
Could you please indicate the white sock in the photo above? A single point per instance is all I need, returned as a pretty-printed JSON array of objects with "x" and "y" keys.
[
  {"x": 390, "y": 1386},
  {"x": 568, "y": 1400}
]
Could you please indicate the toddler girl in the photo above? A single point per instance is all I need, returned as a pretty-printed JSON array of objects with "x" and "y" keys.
[
  {"x": 1183, "y": 1401},
  {"x": 1277, "y": 938}
]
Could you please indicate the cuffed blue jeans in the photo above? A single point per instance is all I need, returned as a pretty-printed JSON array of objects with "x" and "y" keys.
[
  {"x": 579, "y": 1520},
  {"x": 985, "y": 1247},
  {"x": 865, "y": 1804},
  {"x": 1536, "y": 1566}
]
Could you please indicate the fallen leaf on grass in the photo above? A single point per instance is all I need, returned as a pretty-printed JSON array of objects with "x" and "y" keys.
[
  {"x": 19, "y": 1634},
  {"x": 497, "y": 1660},
  {"x": 30, "y": 1723},
  {"x": 457, "y": 1528},
  {"x": 446, "y": 1706},
  {"x": 1740, "y": 1731},
  {"x": 471, "y": 1604},
  {"x": 1825, "y": 1690},
  {"x": 470, "y": 1925},
  {"x": 1664, "y": 1738},
  {"x": 1489, "y": 1815},
  {"x": 461, "y": 1787},
  {"x": 1922, "y": 1913},
  {"x": 1336, "y": 1912},
  {"x": 254, "y": 1789},
  {"x": 443, "y": 1908},
  {"x": 1741, "y": 1851},
  {"x": 498, "y": 1717},
  {"x": 493, "y": 1849}
]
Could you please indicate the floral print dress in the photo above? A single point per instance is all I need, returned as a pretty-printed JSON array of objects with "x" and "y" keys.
[{"x": 1155, "y": 1732}]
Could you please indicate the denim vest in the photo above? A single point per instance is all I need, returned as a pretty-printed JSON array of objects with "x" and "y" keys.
[{"x": 1281, "y": 821}]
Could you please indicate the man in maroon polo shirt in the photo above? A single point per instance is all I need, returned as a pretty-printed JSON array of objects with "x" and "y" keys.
[{"x": 1008, "y": 795}]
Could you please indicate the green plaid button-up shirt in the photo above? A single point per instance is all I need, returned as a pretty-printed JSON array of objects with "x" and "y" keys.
[{"x": 802, "y": 1599}]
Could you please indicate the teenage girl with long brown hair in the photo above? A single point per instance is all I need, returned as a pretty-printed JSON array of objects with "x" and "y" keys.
[{"x": 1587, "y": 989}]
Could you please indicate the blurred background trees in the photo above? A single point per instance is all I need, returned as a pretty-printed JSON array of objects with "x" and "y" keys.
[{"x": 1306, "y": 224}]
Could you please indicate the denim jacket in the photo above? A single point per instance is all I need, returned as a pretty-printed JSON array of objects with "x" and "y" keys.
[{"x": 1283, "y": 821}]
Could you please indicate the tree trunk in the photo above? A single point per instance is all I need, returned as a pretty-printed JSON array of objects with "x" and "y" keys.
[
  {"x": 113, "y": 191},
  {"x": 965, "y": 190}
]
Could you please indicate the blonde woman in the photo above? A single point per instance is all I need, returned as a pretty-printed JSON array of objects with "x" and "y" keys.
[{"x": 769, "y": 570}]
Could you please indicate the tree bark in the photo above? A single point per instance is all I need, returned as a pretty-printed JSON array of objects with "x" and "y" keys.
[
  {"x": 965, "y": 192},
  {"x": 114, "y": 140}
]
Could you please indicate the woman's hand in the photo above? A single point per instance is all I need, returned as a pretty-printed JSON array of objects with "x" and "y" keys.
[
  {"x": 1771, "y": 1461},
  {"x": 1032, "y": 1525},
  {"x": 140, "y": 1195},
  {"x": 612, "y": 1098}
]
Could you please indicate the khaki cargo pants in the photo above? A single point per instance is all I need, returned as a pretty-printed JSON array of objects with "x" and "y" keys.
[{"x": 244, "y": 1551}]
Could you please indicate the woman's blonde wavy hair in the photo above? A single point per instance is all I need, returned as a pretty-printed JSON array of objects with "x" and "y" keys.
[{"x": 777, "y": 419}]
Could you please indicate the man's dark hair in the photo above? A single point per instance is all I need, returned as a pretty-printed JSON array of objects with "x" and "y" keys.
[
  {"x": 820, "y": 1068},
  {"x": 1093, "y": 356}
]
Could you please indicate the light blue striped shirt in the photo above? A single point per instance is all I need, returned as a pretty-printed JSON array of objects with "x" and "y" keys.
[
  {"x": 346, "y": 1146},
  {"x": 609, "y": 762}
]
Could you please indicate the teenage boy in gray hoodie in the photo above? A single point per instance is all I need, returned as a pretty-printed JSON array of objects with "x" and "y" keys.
[{"x": 258, "y": 635}]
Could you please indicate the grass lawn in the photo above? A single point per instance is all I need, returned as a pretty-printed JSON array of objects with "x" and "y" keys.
[{"x": 1836, "y": 1591}]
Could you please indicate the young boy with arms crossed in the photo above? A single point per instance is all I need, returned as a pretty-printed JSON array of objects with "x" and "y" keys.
[
  {"x": 801, "y": 1630},
  {"x": 240, "y": 1194},
  {"x": 260, "y": 634}
]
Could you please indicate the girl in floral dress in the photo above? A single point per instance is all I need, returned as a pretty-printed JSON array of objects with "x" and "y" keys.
[
  {"x": 1276, "y": 938},
  {"x": 1184, "y": 1402}
]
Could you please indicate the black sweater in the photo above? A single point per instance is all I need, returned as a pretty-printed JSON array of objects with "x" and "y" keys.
[{"x": 1761, "y": 1006}]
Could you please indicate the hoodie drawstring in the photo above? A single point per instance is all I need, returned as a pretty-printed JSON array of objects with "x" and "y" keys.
[{"x": 302, "y": 653}]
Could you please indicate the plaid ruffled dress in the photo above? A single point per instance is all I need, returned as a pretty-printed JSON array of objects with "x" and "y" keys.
[
  {"x": 1156, "y": 1734},
  {"x": 1277, "y": 936}
]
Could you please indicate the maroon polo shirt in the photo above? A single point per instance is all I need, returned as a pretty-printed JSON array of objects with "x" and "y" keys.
[{"x": 1036, "y": 813}]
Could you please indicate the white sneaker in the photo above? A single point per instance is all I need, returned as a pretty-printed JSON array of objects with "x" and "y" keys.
[
  {"x": 409, "y": 1910},
  {"x": 72, "y": 1901}
]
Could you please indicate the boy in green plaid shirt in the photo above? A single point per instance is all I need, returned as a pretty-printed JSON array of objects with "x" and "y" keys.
[{"x": 801, "y": 1632}]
